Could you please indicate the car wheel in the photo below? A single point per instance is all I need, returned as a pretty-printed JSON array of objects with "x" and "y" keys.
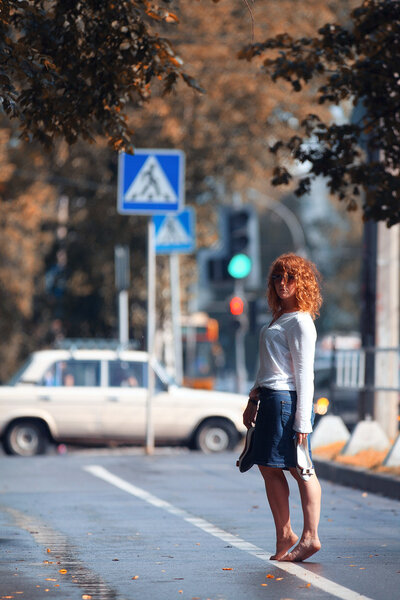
[
  {"x": 26, "y": 438},
  {"x": 215, "y": 435}
]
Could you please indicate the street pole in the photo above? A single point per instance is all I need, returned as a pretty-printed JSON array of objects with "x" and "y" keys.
[
  {"x": 368, "y": 319},
  {"x": 387, "y": 328},
  {"x": 240, "y": 335},
  {"x": 151, "y": 327},
  {"x": 176, "y": 315},
  {"x": 122, "y": 280},
  {"x": 123, "y": 318}
]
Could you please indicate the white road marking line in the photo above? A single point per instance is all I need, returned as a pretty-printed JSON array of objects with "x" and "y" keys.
[{"x": 326, "y": 585}]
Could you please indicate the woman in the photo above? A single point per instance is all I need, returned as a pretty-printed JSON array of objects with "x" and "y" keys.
[{"x": 282, "y": 400}]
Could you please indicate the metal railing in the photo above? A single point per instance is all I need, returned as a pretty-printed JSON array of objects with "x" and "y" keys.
[{"x": 351, "y": 368}]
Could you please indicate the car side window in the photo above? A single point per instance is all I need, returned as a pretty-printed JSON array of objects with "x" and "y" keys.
[
  {"x": 69, "y": 373},
  {"x": 125, "y": 373}
]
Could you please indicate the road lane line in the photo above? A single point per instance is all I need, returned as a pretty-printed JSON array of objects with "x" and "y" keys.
[{"x": 328, "y": 586}]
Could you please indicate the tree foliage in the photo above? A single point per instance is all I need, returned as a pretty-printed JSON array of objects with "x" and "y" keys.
[
  {"x": 357, "y": 63},
  {"x": 68, "y": 68},
  {"x": 225, "y": 134}
]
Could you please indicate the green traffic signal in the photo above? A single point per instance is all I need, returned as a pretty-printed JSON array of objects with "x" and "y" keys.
[{"x": 239, "y": 266}]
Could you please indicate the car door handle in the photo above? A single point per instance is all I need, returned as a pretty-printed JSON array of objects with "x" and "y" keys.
[
  {"x": 44, "y": 398},
  {"x": 112, "y": 398}
]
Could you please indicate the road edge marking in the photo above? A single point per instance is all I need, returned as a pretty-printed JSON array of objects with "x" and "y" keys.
[{"x": 327, "y": 585}]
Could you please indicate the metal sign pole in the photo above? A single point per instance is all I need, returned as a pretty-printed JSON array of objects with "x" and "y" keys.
[
  {"x": 176, "y": 315},
  {"x": 151, "y": 322}
]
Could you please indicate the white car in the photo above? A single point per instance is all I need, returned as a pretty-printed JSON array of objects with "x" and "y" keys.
[{"x": 92, "y": 396}]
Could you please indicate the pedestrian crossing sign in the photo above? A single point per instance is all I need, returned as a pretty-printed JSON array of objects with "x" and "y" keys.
[
  {"x": 175, "y": 234},
  {"x": 151, "y": 182}
]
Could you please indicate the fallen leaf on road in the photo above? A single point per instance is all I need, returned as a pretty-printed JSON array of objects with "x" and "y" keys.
[
  {"x": 308, "y": 585},
  {"x": 227, "y": 569},
  {"x": 86, "y": 597},
  {"x": 279, "y": 578},
  {"x": 269, "y": 576},
  {"x": 264, "y": 584},
  {"x": 135, "y": 577},
  {"x": 115, "y": 559},
  {"x": 62, "y": 571},
  {"x": 48, "y": 550}
]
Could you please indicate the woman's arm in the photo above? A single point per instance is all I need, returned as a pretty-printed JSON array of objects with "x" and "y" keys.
[{"x": 301, "y": 339}]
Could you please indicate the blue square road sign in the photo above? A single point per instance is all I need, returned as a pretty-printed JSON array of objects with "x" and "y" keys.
[{"x": 151, "y": 181}]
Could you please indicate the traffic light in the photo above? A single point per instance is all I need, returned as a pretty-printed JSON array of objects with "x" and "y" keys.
[
  {"x": 238, "y": 256},
  {"x": 236, "y": 306}
]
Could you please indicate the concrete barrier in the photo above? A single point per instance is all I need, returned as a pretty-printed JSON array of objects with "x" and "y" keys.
[
  {"x": 392, "y": 459},
  {"x": 367, "y": 435},
  {"x": 330, "y": 429}
]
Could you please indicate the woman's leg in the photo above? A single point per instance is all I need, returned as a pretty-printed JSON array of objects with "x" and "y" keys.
[
  {"x": 277, "y": 490},
  {"x": 310, "y": 493}
]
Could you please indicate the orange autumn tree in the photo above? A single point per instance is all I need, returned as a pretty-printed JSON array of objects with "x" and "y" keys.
[{"x": 225, "y": 133}]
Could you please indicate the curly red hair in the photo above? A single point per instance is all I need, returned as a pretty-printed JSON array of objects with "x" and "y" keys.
[{"x": 307, "y": 278}]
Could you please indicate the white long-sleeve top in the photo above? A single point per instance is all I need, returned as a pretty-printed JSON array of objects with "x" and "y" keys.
[{"x": 287, "y": 350}]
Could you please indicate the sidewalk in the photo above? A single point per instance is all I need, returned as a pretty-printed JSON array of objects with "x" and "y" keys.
[{"x": 362, "y": 471}]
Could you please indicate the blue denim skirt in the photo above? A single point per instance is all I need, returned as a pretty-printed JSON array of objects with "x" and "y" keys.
[{"x": 274, "y": 434}]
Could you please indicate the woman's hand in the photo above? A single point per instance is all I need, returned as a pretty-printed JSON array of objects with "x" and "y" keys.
[
  {"x": 254, "y": 393},
  {"x": 301, "y": 437},
  {"x": 249, "y": 415}
]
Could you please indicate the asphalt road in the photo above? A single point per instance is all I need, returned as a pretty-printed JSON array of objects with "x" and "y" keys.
[{"x": 119, "y": 525}]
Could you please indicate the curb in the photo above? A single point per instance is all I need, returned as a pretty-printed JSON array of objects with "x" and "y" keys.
[{"x": 356, "y": 477}]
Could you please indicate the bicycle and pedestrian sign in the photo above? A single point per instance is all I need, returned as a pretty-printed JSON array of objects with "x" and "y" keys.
[{"x": 151, "y": 182}]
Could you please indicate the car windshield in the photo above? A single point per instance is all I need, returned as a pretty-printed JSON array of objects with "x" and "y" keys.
[
  {"x": 17, "y": 376},
  {"x": 165, "y": 377}
]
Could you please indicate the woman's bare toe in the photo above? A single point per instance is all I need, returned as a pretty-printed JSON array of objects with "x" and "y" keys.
[{"x": 304, "y": 549}]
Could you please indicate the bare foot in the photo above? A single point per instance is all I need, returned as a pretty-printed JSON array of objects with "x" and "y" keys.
[
  {"x": 304, "y": 549},
  {"x": 282, "y": 546}
]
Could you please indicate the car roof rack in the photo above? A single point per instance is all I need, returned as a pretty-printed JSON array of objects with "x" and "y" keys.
[{"x": 94, "y": 344}]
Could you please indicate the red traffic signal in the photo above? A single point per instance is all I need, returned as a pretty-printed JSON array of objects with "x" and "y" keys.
[{"x": 236, "y": 306}]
